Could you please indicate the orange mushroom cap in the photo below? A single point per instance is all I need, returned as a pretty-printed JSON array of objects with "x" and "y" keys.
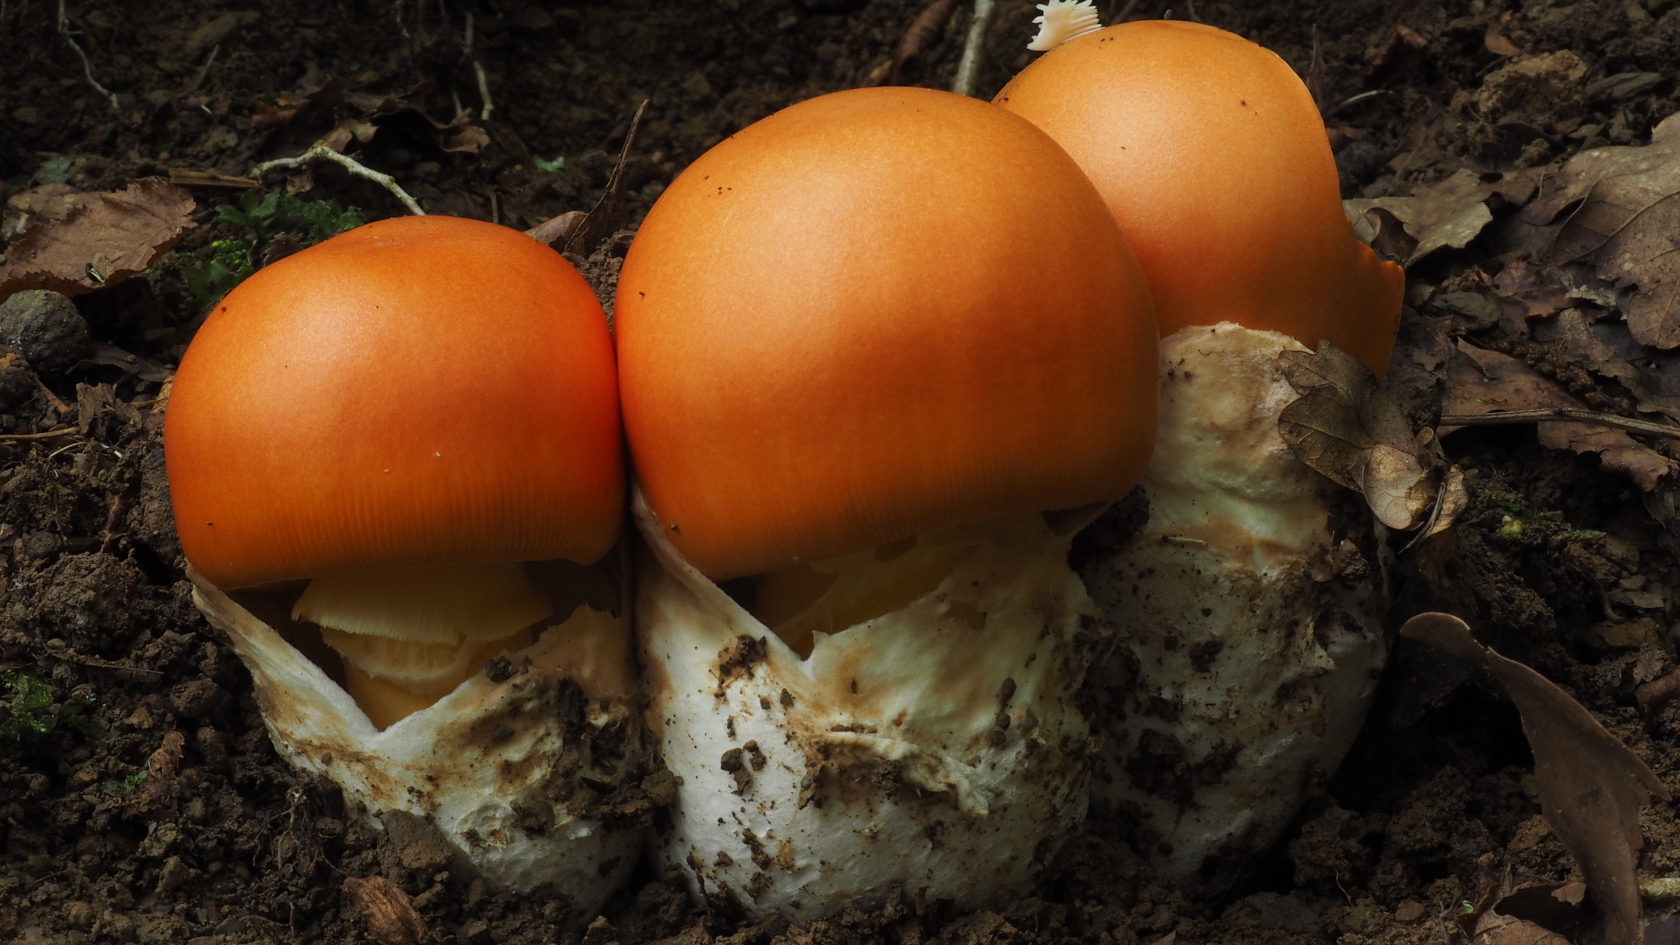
[
  {"x": 416, "y": 391},
  {"x": 1214, "y": 159},
  {"x": 875, "y": 313}
]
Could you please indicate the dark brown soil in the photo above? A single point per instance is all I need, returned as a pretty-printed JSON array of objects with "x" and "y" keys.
[{"x": 220, "y": 843}]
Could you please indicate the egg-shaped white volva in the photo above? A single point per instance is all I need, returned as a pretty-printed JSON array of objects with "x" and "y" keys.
[
  {"x": 1247, "y": 614},
  {"x": 937, "y": 748},
  {"x": 527, "y": 776}
]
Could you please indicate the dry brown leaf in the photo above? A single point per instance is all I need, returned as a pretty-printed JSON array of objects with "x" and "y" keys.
[
  {"x": 161, "y": 771},
  {"x": 1482, "y": 381},
  {"x": 104, "y": 239},
  {"x": 1348, "y": 429},
  {"x": 1556, "y": 907},
  {"x": 146, "y": 369},
  {"x": 1450, "y": 213},
  {"x": 1450, "y": 503},
  {"x": 1496, "y": 929},
  {"x": 1497, "y": 43},
  {"x": 608, "y": 215},
  {"x": 463, "y": 139},
  {"x": 1624, "y": 226},
  {"x": 390, "y": 916},
  {"x": 557, "y": 228},
  {"x": 1591, "y": 785},
  {"x": 1607, "y": 348},
  {"x": 47, "y": 203}
]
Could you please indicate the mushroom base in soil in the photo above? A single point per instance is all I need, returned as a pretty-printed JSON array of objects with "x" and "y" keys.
[
  {"x": 1247, "y": 615},
  {"x": 936, "y": 747},
  {"x": 533, "y": 768}
]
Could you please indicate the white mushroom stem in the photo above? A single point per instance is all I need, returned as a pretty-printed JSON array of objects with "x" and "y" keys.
[
  {"x": 499, "y": 765},
  {"x": 1247, "y": 614},
  {"x": 936, "y": 747}
]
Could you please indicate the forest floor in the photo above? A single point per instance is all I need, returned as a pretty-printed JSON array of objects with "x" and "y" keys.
[{"x": 140, "y": 798}]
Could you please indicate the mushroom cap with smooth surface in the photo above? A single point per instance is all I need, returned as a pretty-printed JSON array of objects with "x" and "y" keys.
[
  {"x": 1213, "y": 157},
  {"x": 875, "y": 313},
  {"x": 416, "y": 391}
]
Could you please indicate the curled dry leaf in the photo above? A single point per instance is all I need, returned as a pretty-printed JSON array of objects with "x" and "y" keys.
[
  {"x": 1497, "y": 42},
  {"x": 1348, "y": 429},
  {"x": 102, "y": 240},
  {"x": 1496, "y": 929},
  {"x": 146, "y": 369},
  {"x": 608, "y": 215},
  {"x": 1450, "y": 213},
  {"x": 1624, "y": 225},
  {"x": 161, "y": 770},
  {"x": 1481, "y": 381},
  {"x": 1591, "y": 785},
  {"x": 556, "y": 230},
  {"x": 390, "y": 916}
]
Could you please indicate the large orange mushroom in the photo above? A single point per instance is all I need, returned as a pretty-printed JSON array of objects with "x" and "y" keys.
[
  {"x": 1248, "y": 606},
  {"x": 404, "y": 443},
  {"x": 863, "y": 344}
]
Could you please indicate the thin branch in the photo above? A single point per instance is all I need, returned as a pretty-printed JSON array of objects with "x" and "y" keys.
[
  {"x": 478, "y": 70},
  {"x": 20, "y": 437},
  {"x": 204, "y": 70},
  {"x": 321, "y": 152},
  {"x": 1355, "y": 100},
  {"x": 1552, "y": 414},
  {"x": 87, "y": 65},
  {"x": 969, "y": 67}
]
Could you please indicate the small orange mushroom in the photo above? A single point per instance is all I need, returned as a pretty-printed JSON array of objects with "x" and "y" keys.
[
  {"x": 401, "y": 414},
  {"x": 1213, "y": 157}
]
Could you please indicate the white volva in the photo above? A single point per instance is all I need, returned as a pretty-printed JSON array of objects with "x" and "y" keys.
[
  {"x": 1247, "y": 615},
  {"x": 937, "y": 747},
  {"x": 497, "y": 766}
]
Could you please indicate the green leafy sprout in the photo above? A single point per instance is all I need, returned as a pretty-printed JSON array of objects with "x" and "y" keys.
[
  {"x": 28, "y": 707},
  {"x": 262, "y": 216},
  {"x": 1518, "y": 519},
  {"x": 125, "y": 786},
  {"x": 27, "y": 711}
]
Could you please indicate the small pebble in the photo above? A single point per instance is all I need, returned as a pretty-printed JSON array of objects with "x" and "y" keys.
[{"x": 45, "y": 328}]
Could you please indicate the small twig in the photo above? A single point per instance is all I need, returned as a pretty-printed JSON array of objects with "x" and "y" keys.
[
  {"x": 204, "y": 70},
  {"x": 52, "y": 398},
  {"x": 19, "y": 437},
  {"x": 321, "y": 152},
  {"x": 1551, "y": 414},
  {"x": 187, "y": 177},
  {"x": 1315, "y": 72},
  {"x": 87, "y": 65},
  {"x": 1355, "y": 100},
  {"x": 969, "y": 67},
  {"x": 478, "y": 70}
]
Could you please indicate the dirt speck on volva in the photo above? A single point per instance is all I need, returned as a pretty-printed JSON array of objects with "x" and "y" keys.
[{"x": 140, "y": 798}]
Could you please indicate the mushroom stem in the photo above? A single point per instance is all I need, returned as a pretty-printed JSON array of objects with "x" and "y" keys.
[{"x": 409, "y": 636}]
